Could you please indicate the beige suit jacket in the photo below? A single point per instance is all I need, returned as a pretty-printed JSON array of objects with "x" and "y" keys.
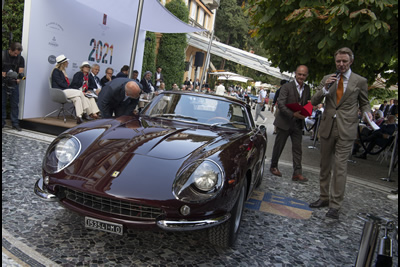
[
  {"x": 355, "y": 97},
  {"x": 289, "y": 94}
]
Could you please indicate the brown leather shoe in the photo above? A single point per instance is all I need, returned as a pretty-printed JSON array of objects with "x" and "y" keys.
[
  {"x": 332, "y": 213},
  {"x": 319, "y": 204},
  {"x": 299, "y": 178},
  {"x": 275, "y": 171}
]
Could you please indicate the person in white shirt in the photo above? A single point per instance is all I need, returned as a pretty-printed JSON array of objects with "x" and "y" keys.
[
  {"x": 260, "y": 103},
  {"x": 220, "y": 89},
  {"x": 94, "y": 71},
  {"x": 159, "y": 78}
]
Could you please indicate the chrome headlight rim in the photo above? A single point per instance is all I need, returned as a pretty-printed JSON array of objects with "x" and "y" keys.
[
  {"x": 50, "y": 154},
  {"x": 185, "y": 190}
]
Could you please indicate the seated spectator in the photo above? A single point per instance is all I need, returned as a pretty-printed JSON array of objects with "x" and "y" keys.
[
  {"x": 123, "y": 73},
  {"x": 108, "y": 77},
  {"x": 146, "y": 83},
  {"x": 379, "y": 137},
  {"x": 183, "y": 87},
  {"x": 161, "y": 88},
  {"x": 368, "y": 130},
  {"x": 83, "y": 81},
  {"x": 94, "y": 71},
  {"x": 59, "y": 79},
  {"x": 175, "y": 87},
  {"x": 135, "y": 75},
  {"x": 187, "y": 82}
]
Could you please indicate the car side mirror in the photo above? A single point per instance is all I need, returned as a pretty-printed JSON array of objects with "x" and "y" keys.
[{"x": 262, "y": 128}]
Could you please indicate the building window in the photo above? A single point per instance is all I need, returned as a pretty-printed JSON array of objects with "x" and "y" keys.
[
  {"x": 206, "y": 19},
  {"x": 193, "y": 11},
  {"x": 200, "y": 19}
]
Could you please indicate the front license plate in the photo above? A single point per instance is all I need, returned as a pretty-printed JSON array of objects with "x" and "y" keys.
[{"x": 105, "y": 226}]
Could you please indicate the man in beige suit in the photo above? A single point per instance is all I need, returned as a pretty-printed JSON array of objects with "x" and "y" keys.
[
  {"x": 344, "y": 93},
  {"x": 289, "y": 123}
]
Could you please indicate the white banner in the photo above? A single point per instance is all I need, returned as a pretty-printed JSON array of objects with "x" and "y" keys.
[
  {"x": 98, "y": 31},
  {"x": 81, "y": 34}
]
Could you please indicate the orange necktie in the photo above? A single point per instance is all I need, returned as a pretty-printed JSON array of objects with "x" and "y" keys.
[{"x": 339, "y": 91}]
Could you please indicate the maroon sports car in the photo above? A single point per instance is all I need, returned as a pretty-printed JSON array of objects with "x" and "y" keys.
[{"x": 188, "y": 161}]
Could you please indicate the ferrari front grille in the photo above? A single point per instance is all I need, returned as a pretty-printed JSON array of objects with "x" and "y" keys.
[{"x": 112, "y": 206}]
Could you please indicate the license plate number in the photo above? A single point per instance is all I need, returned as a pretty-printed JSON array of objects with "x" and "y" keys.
[{"x": 105, "y": 226}]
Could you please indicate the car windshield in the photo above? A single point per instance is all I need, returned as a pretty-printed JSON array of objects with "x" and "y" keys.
[{"x": 198, "y": 109}]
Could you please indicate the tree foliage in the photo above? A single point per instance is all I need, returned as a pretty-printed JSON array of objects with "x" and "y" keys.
[
  {"x": 232, "y": 28},
  {"x": 308, "y": 32},
  {"x": 149, "y": 55},
  {"x": 171, "y": 53},
  {"x": 11, "y": 22}
]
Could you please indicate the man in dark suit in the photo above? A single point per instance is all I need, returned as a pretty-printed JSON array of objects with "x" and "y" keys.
[
  {"x": 119, "y": 96},
  {"x": 394, "y": 108},
  {"x": 344, "y": 93},
  {"x": 289, "y": 123},
  {"x": 384, "y": 108}
]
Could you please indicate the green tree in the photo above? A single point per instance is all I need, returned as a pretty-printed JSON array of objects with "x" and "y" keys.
[
  {"x": 149, "y": 55},
  {"x": 11, "y": 22},
  {"x": 231, "y": 26},
  {"x": 171, "y": 53},
  {"x": 308, "y": 32}
]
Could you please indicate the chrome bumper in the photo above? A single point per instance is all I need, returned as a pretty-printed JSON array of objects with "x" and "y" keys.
[
  {"x": 183, "y": 225},
  {"x": 42, "y": 193}
]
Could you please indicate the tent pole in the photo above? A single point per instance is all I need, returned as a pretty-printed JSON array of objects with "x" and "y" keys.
[
  {"x": 136, "y": 37},
  {"x": 207, "y": 63}
]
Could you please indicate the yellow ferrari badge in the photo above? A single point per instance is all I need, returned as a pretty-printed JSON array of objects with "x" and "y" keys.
[{"x": 115, "y": 174}]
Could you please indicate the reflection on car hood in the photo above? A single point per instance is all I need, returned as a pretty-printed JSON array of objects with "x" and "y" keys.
[{"x": 157, "y": 138}]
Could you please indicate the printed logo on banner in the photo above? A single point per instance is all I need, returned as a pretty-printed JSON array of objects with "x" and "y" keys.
[
  {"x": 105, "y": 19},
  {"x": 54, "y": 26},
  {"x": 53, "y": 42},
  {"x": 52, "y": 59}
]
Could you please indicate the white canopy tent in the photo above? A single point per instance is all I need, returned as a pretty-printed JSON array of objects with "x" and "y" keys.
[
  {"x": 239, "y": 56},
  {"x": 231, "y": 76},
  {"x": 236, "y": 78}
]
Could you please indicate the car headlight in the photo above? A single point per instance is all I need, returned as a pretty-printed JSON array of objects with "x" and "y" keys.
[
  {"x": 199, "y": 182},
  {"x": 206, "y": 176},
  {"x": 61, "y": 153}
]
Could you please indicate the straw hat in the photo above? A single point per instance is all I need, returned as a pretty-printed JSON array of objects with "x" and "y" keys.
[{"x": 61, "y": 59}]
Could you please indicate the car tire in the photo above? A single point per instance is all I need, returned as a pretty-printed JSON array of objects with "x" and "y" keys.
[{"x": 225, "y": 234}]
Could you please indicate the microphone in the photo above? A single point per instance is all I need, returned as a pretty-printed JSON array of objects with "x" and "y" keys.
[{"x": 337, "y": 75}]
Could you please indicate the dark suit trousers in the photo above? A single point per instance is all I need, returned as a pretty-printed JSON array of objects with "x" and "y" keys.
[{"x": 296, "y": 136}]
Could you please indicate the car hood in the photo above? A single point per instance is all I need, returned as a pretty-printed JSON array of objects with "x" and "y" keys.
[
  {"x": 157, "y": 138},
  {"x": 140, "y": 159}
]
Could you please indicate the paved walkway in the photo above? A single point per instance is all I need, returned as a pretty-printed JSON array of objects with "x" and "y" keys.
[{"x": 278, "y": 228}]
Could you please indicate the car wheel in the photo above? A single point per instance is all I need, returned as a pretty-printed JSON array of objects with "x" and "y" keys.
[{"x": 225, "y": 234}]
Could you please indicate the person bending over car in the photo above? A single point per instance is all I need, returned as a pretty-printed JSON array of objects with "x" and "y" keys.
[{"x": 120, "y": 97}]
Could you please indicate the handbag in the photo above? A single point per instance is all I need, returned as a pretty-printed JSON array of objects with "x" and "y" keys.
[{"x": 263, "y": 108}]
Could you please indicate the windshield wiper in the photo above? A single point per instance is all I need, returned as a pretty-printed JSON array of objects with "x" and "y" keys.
[
  {"x": 225, "y": 124},
  {"x": 175, "y": 116}
]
